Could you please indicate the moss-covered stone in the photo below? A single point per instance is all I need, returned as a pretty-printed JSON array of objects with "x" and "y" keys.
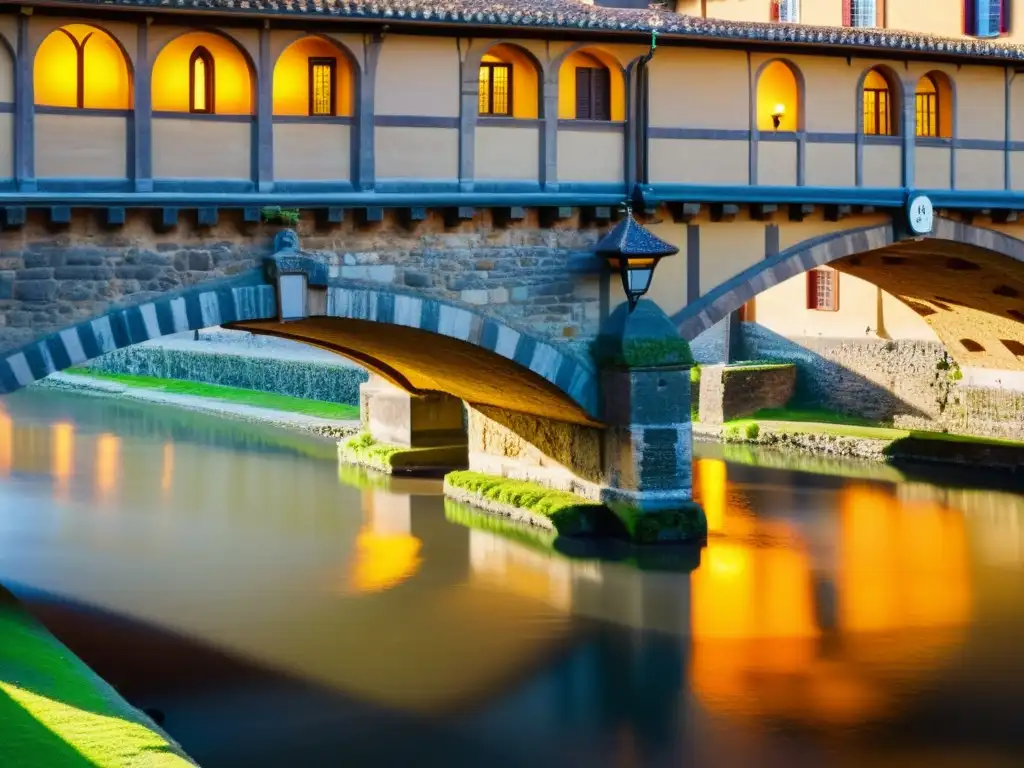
[
  {"x": 685, "y": 523},
  {"x": 383, "y": 457},
  {"x": 644, "y": 338}
]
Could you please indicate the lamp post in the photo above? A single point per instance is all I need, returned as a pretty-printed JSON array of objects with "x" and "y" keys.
[
  {"x": 780, "y": 110},
  {"x": 633, "y": 252}
]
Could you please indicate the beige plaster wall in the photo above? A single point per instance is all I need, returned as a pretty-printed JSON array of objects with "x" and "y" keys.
[
  {"x": 832, "y": 103},
  {"x": 827, "y": 13},
  {"x": 931, "y": 167},
  {"x": 1017, "y": 108},
  {"x": 73, "y": 146},
  {"x": 507, "y": 153},
  {"x": 590, "y": 156},
  {"x": 668, "y": 289},
  {"x": 6, "y": 146},
  {"x": 418, "y": 76},
  {"x": 1017, "y": 170},
  {"x": 699, "y": 161},
  {"x": 728, "y": 248},
  {"x": 980, "y": 101},
  {"x": 699, "y": 88},
  {"x": 883, "y": 166},
  {"x": 830, "y": 165},
  {"x": 201, "y": 149},
  {"x": 312, "y": 151},
  {"x": 6, "y": 75},
  {"x": 979, "y": 169},
  {"x": 417, "y": 153},
  {"x": 737, "y": 10},
  {"x": 9, "y": 30},
  {"x": 776, "y": 163},
  {"x": 933, "y": 17}
]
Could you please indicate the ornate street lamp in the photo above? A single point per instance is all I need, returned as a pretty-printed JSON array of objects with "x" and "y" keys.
[{"x": 633, "y": 252}]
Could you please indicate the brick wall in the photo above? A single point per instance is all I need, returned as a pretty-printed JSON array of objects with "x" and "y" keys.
[
  {"x": 732, "y": 393},
  {"x": 523, "y": 272}
]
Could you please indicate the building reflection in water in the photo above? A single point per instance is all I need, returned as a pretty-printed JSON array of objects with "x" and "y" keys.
[
  {"x": 62, "y": 459},
  {"x": 386, "y": 553},
  {"x": 107, "y": 468},
  {"x": 167, "y": 470},
  {"x": 6, "y": 443}
]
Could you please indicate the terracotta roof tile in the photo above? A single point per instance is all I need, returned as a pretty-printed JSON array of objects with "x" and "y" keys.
[{"x": 576, "y": 15}]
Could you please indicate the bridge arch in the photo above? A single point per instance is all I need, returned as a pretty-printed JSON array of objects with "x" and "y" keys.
[
  {"x": 418, "y": 343},
  {"x": 980, "y": 320}
]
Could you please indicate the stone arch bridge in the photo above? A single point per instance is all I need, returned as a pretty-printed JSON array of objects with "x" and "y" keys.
[{"x": 498, "y": 310}]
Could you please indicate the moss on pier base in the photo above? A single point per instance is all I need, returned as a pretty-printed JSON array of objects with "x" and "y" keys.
[{"x": 383, "y": 457}]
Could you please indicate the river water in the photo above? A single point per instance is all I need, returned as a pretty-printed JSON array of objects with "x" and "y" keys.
[{"x": 282, "y": 612}]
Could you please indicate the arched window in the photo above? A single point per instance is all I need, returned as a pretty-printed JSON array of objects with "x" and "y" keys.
[
  {"x": 878, "y": 107},
  {"x": 927, "y": 107},
  {"x": 591, "y": 86},
  {"x": 495, "y": 87},
  {"x": 200, "y": 82},
  {"x": 81, "y": 67},
  {"x": 313, "y": 78},
  {"x": 778, "y": 98}
]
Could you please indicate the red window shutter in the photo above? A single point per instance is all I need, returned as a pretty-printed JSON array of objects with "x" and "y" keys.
[
  {"x": 583, "y": 104},
  {"x": 1004, "y": 16},
  {"x": 773, "y": 10},
  {"x": 812, "y": 289},
  {"x": 602, "y": 102},
  {"x": 848, "y": 13},
  {"x": 835, "y": 290},
  {"x": 970, "y": 17}
]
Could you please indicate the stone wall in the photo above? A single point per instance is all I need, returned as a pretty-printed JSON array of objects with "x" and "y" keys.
[
  {"x": 531, "y": 275},
  {"x": 728, "y": 393},
  {"x": 912, "y": 384}
]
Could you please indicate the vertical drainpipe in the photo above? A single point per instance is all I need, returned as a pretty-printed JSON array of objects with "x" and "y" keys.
[{"x": 642, "y": 118}]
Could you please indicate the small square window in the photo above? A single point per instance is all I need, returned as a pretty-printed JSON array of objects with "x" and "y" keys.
[
  {"x": 321, "y": 87},
  {"x": 823, "y": 289}
]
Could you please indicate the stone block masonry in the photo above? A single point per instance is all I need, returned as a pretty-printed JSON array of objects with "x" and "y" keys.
[
  {"x": 733, "y": 392},
  {"x": 52, "y": 277}
]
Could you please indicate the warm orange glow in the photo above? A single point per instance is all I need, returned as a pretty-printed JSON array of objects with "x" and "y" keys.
[
  {"x": 291, "y": 77},
  {"x": 525, "y": 93},
  {"x": 711, "y": 482},
  {"x": 199, "y": 85},
  {"x": 106, "y": 83},
  {"x": 108, "y": 460},
  {"x": 62, "y": 458},
  {"x": 6, "y": 444},
  {"x": 167, "y": 472},
  {"x": 383, "y": 562},
  {"x": 591, "y": 57},
  {"x": 232, "y": 85},
  {"x": 777, "y": 95}
]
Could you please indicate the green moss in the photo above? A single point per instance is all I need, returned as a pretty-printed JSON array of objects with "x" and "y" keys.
[
  {"x": 315, "y": 408},
  {"x": 695, "y": 374},
  {"x": 686, "y": 523},
  {"x": 642, "y": 353},
  {"x": 529, "y": 535},
  {"x": 55, "y": 711},
  {"x": 751, "y": 431},
  {"x": 363, "y": 449},
  {"x": 275, "y": 213}
]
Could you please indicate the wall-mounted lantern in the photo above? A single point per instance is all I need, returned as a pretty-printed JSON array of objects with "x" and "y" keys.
[
  {"x": 780, "y": 110},
  {"x": 633, "y": 252}
]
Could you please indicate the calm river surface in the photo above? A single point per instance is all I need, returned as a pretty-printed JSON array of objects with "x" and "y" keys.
[{"x": 283, "y": 613}]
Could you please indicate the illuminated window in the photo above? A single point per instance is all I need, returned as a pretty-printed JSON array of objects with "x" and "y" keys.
[
  {"x": 495, "y": 89},
  {"x": 823, "y": 289},
  {"x": 785, "y": 10},
  {"x": 593, "y": 93},
  {"x": 322, "y": 79},
  {"x": 877, "y": 106},
  {"x": 81, "y": 67},
  {"x": 200, "y": 82},
  {"x": 860, "y": 13},
  {"x": 927, "y": 103},
  {"x": 986, "y": 18}
]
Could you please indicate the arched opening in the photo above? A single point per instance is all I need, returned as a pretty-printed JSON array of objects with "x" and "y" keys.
[
  {"x": 313, "y": 78},
  {"x": 591, "y": 87},
  {"x": 224, "y": 84},
  {"x": 878, "y": 105},
  {"x": 778, "y": 98},
  {"x": 201, "y": 80},
  {"x": 933, "y": 106},
  {"x": 508, "y": 79},
  {"x": 81, "y": 67}
]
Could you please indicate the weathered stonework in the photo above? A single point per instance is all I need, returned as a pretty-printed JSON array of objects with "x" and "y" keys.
[
  {"x": 522, "y": 273},
  {"x": 728, "y": 393}
]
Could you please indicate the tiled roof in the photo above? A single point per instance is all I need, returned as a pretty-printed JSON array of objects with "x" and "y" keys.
[
  {"x": 576, "y": 15},
  {"x": 629, "y": 238}
]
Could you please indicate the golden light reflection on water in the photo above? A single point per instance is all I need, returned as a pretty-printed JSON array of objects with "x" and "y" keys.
[
  {"x": 62, "y": 458},
  {"x": 6, "y": 443},
  {"x": 385, "y": 553},
  {"x": 108, "y": 465},
  {"x": 167, "y": 470}
]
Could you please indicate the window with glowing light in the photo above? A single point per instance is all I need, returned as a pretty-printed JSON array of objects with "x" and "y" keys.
[
  {"x": 81, "y": 67},
  {"x": 322, "y": 80},
  {"x": 200, "y": 82},
  {"x": 926, "y": 101},
  {"x": 495, "y": 89},
  {"x": 877, "y": 106}
]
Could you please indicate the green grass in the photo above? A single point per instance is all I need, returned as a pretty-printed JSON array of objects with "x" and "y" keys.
[
  {"x": 823, "y": 422},
  {"x": 519, "y": 493},
  {"x": 250, "y": 397},
  {"x": 55, "y": 712}
]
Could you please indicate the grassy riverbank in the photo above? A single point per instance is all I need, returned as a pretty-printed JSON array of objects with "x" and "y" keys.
[
  {"x": 56, "y": 712},
  {"x": 249, "y": 397}
]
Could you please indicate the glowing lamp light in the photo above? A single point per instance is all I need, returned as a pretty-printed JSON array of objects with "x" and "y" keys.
[
  {"x": 633, "y": 252},
  {"x": 780, "y": 110}
]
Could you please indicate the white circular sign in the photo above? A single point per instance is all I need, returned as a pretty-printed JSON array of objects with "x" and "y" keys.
[{"x": 920, "y": 214}]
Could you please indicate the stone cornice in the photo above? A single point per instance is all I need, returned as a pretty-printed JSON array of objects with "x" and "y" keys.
[{"x": 572, "y": 15}]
